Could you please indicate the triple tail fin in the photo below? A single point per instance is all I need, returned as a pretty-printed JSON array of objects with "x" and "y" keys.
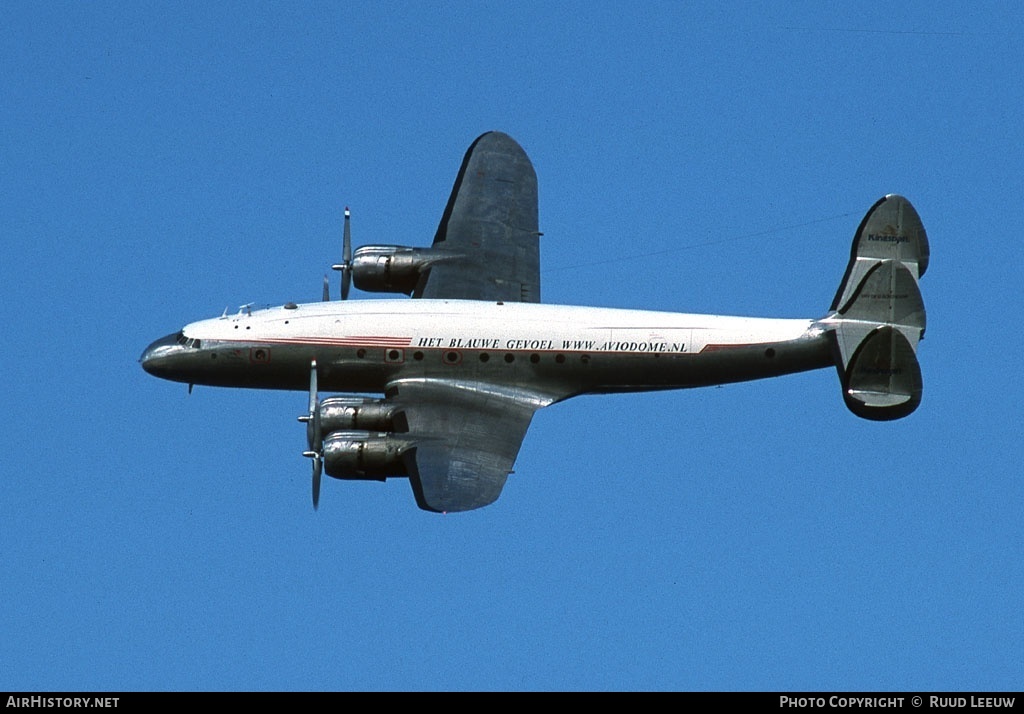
[{"x": 878, "y": 318}]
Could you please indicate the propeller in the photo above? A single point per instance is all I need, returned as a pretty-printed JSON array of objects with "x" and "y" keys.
[
  {"x": 345, "y": 266},
  {"x": 314, "y": 436}
]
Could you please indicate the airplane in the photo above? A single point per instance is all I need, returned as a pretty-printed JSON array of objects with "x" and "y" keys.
[{"x": 458, "y": 371}]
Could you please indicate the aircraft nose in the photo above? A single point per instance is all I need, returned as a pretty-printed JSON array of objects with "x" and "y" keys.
[{"x": 154, "y": 359}]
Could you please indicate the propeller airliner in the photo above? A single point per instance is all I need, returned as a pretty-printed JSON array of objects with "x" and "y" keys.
[{"x": 440, "y": 389}]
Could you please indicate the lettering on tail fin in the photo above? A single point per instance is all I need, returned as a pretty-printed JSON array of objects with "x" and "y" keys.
[{"x": 891, "y": 230}]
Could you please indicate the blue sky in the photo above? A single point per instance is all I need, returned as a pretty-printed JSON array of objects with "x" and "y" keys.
[{"x": 161, "y": 161}]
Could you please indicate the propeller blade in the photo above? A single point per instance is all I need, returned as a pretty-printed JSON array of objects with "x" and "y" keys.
[
  {"x": 318, "y": 437},
  {"x": 317, "y": 468},
  {"x": 314, "y": 433},
  {"x": 327, "y": 290},
  {"x": 313, "y": 396},
  {"x": 346, "y": 257},
  {"x": 345, "y": 266}
]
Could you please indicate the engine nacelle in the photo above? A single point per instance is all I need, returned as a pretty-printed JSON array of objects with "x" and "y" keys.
[
  {"x": 363, "y": 455},
  {"x": 356, "y": 413},
  {"x": 390, "y": 268}
]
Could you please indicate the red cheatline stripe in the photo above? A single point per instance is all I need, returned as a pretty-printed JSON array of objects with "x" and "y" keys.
[
  {"x": 337, "y": 341},
  {"x": 719, "y": 348},
  {"x": 377, "y": 337}
]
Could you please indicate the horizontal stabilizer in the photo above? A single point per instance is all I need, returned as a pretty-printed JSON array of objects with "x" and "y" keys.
[{"x": 878, "y": 315}]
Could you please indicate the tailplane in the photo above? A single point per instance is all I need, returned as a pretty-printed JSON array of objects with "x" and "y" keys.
[{"x": 878, "y": 318}]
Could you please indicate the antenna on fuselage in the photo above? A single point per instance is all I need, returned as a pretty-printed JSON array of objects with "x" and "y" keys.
[{"x": 345, "y": 266}]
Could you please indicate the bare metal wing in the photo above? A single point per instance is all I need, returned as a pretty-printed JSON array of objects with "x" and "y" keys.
[
  {"x": 487, "y": 245},
  {"x": 466, "y": 438}
]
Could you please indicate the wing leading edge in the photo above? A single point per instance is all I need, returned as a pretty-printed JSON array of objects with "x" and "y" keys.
[
  {"x": 488, "y": 237},
  {"x": 467, "y": 437}
]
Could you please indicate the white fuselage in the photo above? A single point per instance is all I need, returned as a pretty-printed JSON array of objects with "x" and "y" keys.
[
  {"x": 550, "y": 351},
  {"x": 475, "y": 325}
]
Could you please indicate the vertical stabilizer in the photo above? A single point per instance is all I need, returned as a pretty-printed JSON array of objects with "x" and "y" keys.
[{"x": 878, "y": 315}]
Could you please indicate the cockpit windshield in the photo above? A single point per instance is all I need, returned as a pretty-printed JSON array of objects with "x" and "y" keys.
[{"x": 192, "y": 342}]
